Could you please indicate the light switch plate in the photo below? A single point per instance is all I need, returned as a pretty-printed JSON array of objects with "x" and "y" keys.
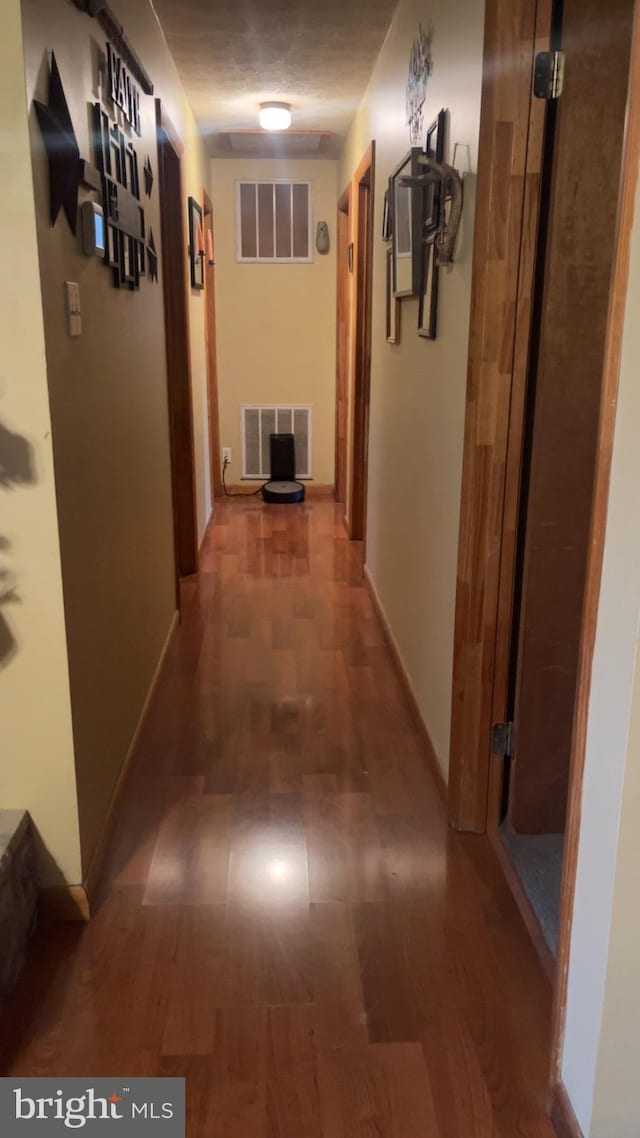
[{"x": 72, "y": 300}]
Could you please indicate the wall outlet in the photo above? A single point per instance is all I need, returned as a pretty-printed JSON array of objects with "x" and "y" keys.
[{"x": 226, "y": 454}]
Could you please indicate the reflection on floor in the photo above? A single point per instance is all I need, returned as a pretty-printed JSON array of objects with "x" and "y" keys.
[
  {"x": 538, "y": 861},
  {"x": 287, "y": 919}
]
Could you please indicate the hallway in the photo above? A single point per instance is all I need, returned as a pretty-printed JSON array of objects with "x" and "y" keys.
[{"x": 286, "y": 919}]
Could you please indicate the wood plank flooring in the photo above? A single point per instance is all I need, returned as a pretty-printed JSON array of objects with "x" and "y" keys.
[{"x": 286, "y": 919}]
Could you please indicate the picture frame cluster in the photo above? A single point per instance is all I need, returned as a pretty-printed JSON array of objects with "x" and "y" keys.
[{"x": 412, "y": 219}]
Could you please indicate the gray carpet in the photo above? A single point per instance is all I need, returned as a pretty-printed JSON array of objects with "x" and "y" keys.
[{"x": 538, "y": 861}]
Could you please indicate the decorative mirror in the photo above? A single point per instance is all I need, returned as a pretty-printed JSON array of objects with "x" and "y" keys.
[{"x": 406, "y": 226}]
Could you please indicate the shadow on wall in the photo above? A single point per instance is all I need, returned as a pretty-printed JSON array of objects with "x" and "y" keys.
[{"x": 16, "y": 469}]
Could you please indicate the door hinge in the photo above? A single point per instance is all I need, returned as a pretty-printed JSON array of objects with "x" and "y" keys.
[
  {"x": 548, "y": 75},
  {"x": 502, "y": 739}
]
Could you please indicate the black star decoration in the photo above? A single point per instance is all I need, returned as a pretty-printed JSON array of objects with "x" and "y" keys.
[
  {"x": 62, "y": 149},
  {"x": 152, "y": 257},
  {"x": 148, "y": 176}
]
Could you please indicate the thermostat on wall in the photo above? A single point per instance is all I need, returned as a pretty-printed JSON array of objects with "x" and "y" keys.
[{"x": 92, "y": 229}]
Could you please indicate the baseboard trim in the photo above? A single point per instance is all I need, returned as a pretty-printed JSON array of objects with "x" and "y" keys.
[
  {"x": 407, "y": 687},
  {"x": 563, "y": 1118},
  {"x": 96, "y": 865},
  {"x": 60, "y": 904},
  {"x": 313, "y": 489},
  {"x": 205, "y": 533}
]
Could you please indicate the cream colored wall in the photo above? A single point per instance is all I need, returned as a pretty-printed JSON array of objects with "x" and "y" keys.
[
  {"x": 616, "y": 1104},
  {"x": 276, "y": 323},
  {"x": 36, "y": 743},
  {"x": 109, "y": 414},
  {"x": 600, "y": 1049},
  {"x": 418, "y": 386}
]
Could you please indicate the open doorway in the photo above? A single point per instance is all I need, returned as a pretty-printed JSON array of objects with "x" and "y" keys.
[
  {"x": 363, "y": 188},
  {"x": 174, "y": 284},
  {"x": 210, "y": 337},
  {"x": 537, "y": 454},
  {"x": 575, "y": 259}
]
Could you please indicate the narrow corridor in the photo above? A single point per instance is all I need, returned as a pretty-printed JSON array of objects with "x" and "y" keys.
[{"x": 286, "y": 919}]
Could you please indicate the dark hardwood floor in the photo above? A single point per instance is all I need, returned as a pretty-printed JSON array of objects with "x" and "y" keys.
[{"x": 286, "y": 919}]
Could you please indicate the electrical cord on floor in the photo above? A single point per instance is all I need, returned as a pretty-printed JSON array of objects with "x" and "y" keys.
[{"x": 238, "y": 493}]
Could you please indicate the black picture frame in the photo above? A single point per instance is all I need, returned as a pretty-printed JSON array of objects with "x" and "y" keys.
[
  {"x": 196, "y": 244},
  {"x": 117, "y": 162},
  {"x": 392, "y": 331},
  {"x": 406, "y": 210},
  {"x": 386, "y": 218},
  {"x": 434, "y": 148},
  {"x": 428, "y": 306}
]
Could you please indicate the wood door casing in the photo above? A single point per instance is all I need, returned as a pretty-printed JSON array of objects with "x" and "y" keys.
[
  {"x": 505, "y": 221},
  {"x": 212, "y": 359},
  {"x": 342, "y": 344},
  {"x": 580, "y": 253},
  {"x": 535, "y": 172},
  {"x": 174, "y": 284},
  {"x": 363, "y": 263}
]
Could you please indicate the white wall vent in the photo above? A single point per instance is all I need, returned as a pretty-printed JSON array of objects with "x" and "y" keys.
[{"x": 258, "y": 422}]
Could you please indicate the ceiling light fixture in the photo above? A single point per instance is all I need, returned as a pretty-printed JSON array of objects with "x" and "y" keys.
[{"x": 275, "y": 116}]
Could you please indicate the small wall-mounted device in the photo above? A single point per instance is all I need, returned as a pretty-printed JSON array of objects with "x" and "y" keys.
[
  {"x": 93, "y": 231},
  {"x": 322, "y": 237}
]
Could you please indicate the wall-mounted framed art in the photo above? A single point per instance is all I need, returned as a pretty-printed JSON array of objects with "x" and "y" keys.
[
  {"x": 386, "y": 218},
  {"x": 196, "y": 244},
  {"x": 406, "y": 206},
  {"x": 428, "y": 307},
  {"x": 117, "y": 162},
  {"x": 434, "y": 148},
  {"x": 393, "y": 306}
]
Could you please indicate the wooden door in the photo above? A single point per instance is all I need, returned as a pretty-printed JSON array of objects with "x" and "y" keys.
[
  {"x": 564, "y": 397},
  {"x": 174, "y": 284},
  {"x": 342, "y": 345},
  {"x": 363, "y": 183},
  {"x": 212, "y": 360}
]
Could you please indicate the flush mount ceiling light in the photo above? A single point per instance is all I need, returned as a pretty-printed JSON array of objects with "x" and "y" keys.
[{"x": 275, "y": 116}]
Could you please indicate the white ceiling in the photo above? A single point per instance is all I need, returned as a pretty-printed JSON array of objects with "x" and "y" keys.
[{"x": 234, "y": 54}]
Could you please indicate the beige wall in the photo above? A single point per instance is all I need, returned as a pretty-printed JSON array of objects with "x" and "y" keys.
[
  {"x": 276, "y": 323},
  {"x": 616, "y": 1104},
  {"x": 36, "y": 744},
  {"x": 418, "y": 386},
  {"x": 109, "y": 415},
  {"x": 600, "y": 1051}
]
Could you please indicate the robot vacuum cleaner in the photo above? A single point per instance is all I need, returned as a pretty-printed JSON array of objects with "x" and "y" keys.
[
  {"x": 283, "y": 486},
  {"x": 285, "y": 491}
]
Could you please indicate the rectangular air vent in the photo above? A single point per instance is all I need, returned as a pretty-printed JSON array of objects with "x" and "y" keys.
[{"x": 258, "y": 423}]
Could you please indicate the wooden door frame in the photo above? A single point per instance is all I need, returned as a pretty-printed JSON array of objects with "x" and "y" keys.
[
  {"x": 363, "y": 184},
  {"x": 176, "y": 322},
  {"x": 343, "y": 322},
  {"x": 504, "y": 268},
  {"x": 212, "y": 360}
]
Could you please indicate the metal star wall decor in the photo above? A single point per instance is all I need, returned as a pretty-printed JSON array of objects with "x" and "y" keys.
[
  {"x": 62, "y": 150},
  {"x": 148, "y": 176},
  {"x": 152, "y": 257}
]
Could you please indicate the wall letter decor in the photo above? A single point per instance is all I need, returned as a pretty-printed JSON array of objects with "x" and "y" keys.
[{"x": 124, "y": 93}]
